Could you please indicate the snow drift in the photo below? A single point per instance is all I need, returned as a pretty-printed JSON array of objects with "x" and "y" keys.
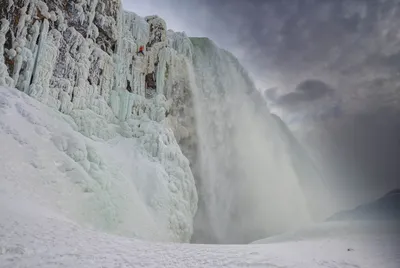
[
  {"x": 35, "y": 236},
  {"x": 115, "y": 185}
]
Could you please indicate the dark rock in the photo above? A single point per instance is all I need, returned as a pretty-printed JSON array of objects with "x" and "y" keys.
[{"x": 385, "y": 208}]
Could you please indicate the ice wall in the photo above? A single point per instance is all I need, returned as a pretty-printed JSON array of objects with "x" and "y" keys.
[
  {"x": 248, "y": 188},
  {"x": 80, "y": 58}
]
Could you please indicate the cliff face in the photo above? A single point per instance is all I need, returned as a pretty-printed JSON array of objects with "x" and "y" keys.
[
  {"x": 151, "y": 123},
  {"x": 80, "y": 58},
  {"x": 75, "y": 55}
]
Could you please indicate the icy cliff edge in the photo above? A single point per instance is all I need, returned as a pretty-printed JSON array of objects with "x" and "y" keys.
[{"x": 81, "y": 58}]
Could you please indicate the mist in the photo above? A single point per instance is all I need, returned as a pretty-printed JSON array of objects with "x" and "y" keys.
[{"x": 247, "y": 185}]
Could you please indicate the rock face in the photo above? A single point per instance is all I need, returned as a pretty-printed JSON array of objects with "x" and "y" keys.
[
  {"x": 80, "y": 58},
  {"x": 385, "y": 208},
  {"x": 73, "y": 55}
]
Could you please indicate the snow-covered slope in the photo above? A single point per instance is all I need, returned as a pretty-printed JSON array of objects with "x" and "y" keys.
[
  {"x": 120, "y": 185},
  {"x": 32, "y": 235},
  {"x": 385, "y": 208},
  {"x": 111, "y": 105}
]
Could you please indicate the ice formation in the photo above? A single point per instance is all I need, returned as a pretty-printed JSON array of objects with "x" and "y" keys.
[
  {"x": 136, "y": 130},
  {"x": 80, "y": 58}
]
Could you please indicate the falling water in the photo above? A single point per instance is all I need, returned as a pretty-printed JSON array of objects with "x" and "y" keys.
[{"x": 247, "y": 186}]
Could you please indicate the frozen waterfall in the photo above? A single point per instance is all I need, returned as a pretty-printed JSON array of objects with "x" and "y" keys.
[
  {"x": 247, "y": 186},
  {"x": 144, "y": 128}
]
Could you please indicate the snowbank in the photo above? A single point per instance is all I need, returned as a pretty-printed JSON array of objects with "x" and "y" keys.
[
  {"x": 126, "y": 185},
  {"x": 35, "y": 236}
]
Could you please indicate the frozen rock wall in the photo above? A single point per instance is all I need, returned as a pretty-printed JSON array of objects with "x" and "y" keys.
[{"x": 81, "y": 58}]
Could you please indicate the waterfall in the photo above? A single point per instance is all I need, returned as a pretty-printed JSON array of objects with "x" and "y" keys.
[{"x": 247, "y": 186}]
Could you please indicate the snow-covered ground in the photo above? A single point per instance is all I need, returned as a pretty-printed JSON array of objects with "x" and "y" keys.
[
  {"x": 56, "y": 212},
  {"x": 117, "y": 185},
  {"x": 35, "y": 236}
]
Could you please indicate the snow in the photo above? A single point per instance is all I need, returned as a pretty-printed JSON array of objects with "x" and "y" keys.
[
  {"x": 136, "y": 183},
  {"x": 37, "y": 234},
  {"x": 83, "y": 63}
]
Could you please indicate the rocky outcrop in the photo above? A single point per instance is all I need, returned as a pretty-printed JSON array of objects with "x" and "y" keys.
[{"x": 384, "y": 208}]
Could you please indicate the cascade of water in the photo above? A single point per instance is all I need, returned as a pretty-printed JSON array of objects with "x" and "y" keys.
[{"x": 247, "y": 186}]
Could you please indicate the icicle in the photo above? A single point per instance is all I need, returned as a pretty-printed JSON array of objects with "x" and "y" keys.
[{"x": 4, "y": 76}]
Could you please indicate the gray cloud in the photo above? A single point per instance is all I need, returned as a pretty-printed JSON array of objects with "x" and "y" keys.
[
  {"x": 308, "y": 90},
  {"x": 271, "y": 94}
]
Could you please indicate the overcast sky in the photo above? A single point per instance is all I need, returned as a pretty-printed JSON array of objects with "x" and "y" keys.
[{"x": 173, "y": 16}]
